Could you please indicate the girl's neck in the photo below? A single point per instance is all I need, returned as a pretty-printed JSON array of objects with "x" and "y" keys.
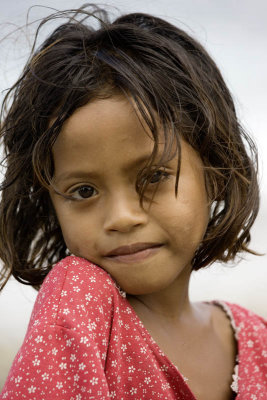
[{"x": 171, "y": 304}]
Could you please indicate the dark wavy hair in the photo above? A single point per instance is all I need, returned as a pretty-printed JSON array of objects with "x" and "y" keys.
[{"x": 172, "y": 81}]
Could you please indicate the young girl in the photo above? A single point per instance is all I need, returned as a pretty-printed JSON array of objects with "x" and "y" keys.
[{"x": 126, "y": 169}]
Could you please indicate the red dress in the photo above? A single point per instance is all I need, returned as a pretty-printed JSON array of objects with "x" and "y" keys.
[{"x": 85, "y": 341}]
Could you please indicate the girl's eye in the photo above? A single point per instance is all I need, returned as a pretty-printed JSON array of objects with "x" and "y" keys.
[
  {"x": 83, "y": 192},
  {"x": 158, "y": 176}
]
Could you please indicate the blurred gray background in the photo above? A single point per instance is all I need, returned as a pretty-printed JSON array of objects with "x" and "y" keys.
[{"x": 235, "y": 34}]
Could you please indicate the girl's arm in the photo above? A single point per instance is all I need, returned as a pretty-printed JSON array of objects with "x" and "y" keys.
[
  {"x": 65, "y": 349},
  {"x": 56, "y": 363}
]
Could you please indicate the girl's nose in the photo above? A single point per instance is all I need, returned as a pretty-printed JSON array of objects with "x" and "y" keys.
[{"x": 124, "y": 214}]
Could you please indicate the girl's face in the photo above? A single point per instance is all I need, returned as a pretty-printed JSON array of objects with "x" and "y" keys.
[{"x": 98, "y": 154}]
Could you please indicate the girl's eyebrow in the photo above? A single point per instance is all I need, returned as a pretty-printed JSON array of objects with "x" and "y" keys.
[
  {"x": 78, "y": 174},
  {"x": 68, "y": 175}
]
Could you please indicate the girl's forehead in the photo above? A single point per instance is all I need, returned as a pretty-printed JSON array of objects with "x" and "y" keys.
[
  {"x": 106, "y": 122},
  {"x": 102, "y": 133}
]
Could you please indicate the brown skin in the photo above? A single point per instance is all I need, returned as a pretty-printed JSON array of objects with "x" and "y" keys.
[{"x": 98, "y": 149}]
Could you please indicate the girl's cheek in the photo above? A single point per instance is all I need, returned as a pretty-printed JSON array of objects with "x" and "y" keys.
[{"x": 80, "y": 234}]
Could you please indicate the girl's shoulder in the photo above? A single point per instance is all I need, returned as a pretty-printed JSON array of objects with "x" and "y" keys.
[
  {"x": 241, "y": 317},
  {"x": 250, "y": 332},
  {"x": 72, "y": 268},
  {"x": 72, "y": 290},
  {"x": 68, "y": 334},
  {"x": 251, "y": 336}
]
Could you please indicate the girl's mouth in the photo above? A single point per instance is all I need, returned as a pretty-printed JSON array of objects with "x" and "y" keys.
[{"x": 133, "y": 253}]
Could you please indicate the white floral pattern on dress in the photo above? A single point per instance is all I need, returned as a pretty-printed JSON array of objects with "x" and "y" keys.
[{"x": 84, "y": 341}]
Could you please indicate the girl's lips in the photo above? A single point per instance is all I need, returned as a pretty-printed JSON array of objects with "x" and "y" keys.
[
  {"x": 135, "y": 256},
  {"x": 131, "y": 248}
]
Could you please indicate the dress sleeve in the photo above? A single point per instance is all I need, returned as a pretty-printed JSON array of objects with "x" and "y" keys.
[
  {"x": 64, "y": 352},
  {"x": 56, "y": 363}
]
